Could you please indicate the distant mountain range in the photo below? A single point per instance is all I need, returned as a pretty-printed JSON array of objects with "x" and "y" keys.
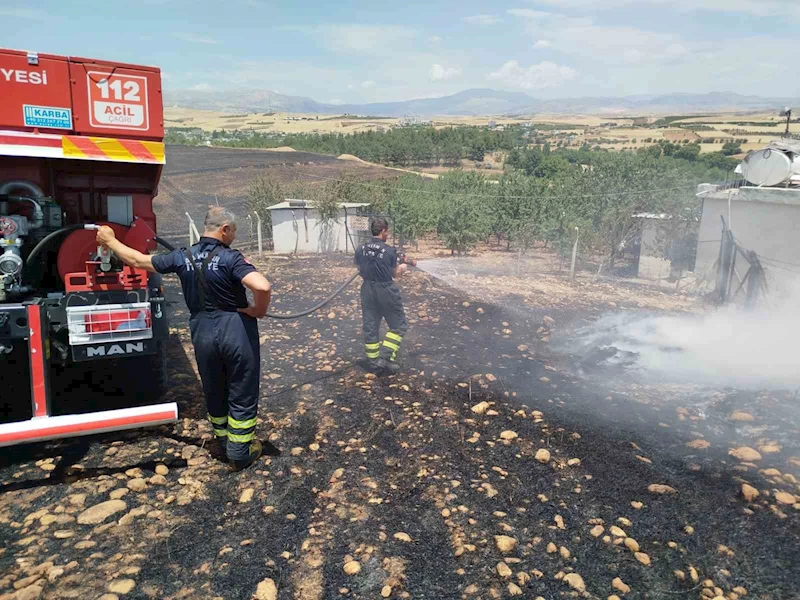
[{"x": 474, "y": 102}]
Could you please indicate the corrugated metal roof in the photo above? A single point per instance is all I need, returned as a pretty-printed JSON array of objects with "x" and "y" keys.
[{"x": 288, "y": 206}]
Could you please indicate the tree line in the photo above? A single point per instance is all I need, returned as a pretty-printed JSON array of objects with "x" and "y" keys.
[
  {"x": 400, "y": 146},
  {"x": 545, "y": 197}
]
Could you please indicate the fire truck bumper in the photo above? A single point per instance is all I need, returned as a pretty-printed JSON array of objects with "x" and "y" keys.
[{"x": 49, "y": 428}]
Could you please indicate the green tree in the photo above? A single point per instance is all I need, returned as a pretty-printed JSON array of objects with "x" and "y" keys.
[
  {"x": 264, "y": 191},
  {"x": 464, "y": 218},
  {"x": 731, "y": 148}
]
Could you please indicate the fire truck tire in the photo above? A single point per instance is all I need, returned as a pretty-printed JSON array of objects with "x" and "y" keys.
[{"x": 150, "y": 374}]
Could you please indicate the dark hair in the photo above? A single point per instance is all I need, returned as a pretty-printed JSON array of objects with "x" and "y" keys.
[{"x": 378, "y": 226}]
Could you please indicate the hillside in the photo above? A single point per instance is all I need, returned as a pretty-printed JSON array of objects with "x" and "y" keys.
[{"x": 472, "y": 102}]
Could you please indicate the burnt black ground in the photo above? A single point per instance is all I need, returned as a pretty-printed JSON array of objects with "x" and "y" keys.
[{"x": 417, "y": 443}]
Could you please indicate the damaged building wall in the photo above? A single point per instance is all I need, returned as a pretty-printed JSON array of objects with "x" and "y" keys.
[{"x": 765, "y": 220}]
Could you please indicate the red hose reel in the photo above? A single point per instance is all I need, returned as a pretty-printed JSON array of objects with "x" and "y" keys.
[{"x": 81, "y": 273}]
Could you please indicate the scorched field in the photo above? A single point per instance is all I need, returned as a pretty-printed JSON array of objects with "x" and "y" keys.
[
  {"x": 504, "y": 461},
  {"x": 490, "y": 468}
]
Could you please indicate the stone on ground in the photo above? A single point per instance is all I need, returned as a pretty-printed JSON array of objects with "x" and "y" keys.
[
  {"x": 745, "y": 454},
  {"x": 480, "y": 408},
  {"x": 121, "y": 586},
  {"x": 505, "y": 543},
  {"x": 352, "y": 568},
  {"x": 514, "y": 590},
  {"x": 631, "y": 544},
  {"x": 642, "y": 558},
  {"x": 739, "y": 415},
  {"x": 137, "y": 485},
  {"x": 749, "y": 492},
  {"x": 620, "y": 585},
  {"x": 266, "y": 590},
  {"x": 543, "y": 456},
  {"x": 659, "y": 488},
  {"x": 100, "y": 512},
  {"x": 575, "y": 581}
]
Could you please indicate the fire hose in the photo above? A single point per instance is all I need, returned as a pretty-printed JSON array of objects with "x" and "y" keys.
[{"x": 297, "y": 315}]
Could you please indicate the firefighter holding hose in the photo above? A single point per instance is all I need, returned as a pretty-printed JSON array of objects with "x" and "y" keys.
[
  {"x": 379, "y": 264},
  {"x": 223, "y": 325}
]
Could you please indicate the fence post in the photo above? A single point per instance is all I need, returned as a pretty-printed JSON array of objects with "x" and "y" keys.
[
  {"x": 574, "y": 255},
  {"x": 194, "y": 235},
  {"x": 258, "y": 230},
  {"x": 755, "y": 282}
]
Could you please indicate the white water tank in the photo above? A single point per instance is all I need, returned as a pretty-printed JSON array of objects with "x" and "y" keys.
[{"x": 777, "y": 163}]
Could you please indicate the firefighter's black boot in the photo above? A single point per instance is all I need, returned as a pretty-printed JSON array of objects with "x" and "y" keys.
[
  {"x": 216, "y": 448},
  {"x": 255, "y": 454},
  {"x": 388, "y": 367}
]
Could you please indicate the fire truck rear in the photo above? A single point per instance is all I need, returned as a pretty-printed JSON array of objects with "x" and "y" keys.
[{"x": 81, "y": 144}]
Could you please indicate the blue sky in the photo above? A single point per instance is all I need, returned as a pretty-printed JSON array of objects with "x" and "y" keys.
[{"x": 356, "y": 51}]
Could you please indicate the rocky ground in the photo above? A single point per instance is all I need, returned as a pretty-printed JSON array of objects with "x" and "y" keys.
[{"x": 492, "y": 467}]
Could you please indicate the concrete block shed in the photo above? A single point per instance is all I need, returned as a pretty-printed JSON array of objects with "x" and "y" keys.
[
  {"x": 663, "y": 255},
  {"x": 297, "y": 228},
  {"x": 763, "y": 219}
]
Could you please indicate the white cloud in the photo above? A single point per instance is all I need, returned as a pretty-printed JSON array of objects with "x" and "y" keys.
[
  {"x": 756, "y": 8},
  {"x": 482, "y": 20},
  {"x": 440, "y": 73},
  {"x": 194, "y": 38},
  {"x": 528, "y": 13},
  {"x": 367, "y": 84},
  {"x": 201, "y": 87},
  {"x": 365, "y": 39},
  {"x": 434, "y": 39},
  {"x": 540, "y": 76},
  {"x": 611, "y": 44},
  {"x": 24, "y": 13}
]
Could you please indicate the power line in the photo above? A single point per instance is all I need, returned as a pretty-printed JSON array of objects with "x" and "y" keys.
[
  {"x": 779, "y": 261},
  {"x": 774, "y": 266}
]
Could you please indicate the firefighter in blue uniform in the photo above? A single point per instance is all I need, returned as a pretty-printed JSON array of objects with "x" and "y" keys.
[
  {"x": 223, "y": 325},
  {"x": 378, "y": 265}
]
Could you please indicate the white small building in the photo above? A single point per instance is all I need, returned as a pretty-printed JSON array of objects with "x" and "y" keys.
[
  {"x": 665, "y": 248},
  {"x": 297, "y": 228},
  {"x": 763, "y": 219},
  {"x": 763, "y": 214}
]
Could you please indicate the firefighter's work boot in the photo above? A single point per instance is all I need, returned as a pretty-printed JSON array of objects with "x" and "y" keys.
[
  {"x": 373, "y": 365},
  {"x": 255, "y": 453},
  {"x": 216, "y": 448},
  {"x": 390, "y": 367}
]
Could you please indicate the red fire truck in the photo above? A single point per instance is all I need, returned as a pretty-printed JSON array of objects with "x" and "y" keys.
[{"x": 81, "y": 144}]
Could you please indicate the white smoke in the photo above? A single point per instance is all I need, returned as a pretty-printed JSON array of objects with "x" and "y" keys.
[{"x": 729, "y": 346}]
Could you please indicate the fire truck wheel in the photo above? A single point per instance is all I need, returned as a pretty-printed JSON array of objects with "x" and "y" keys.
[{"x": 150, "y": 379}]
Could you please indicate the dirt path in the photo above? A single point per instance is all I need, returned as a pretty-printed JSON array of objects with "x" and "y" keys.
[{"x": 407, "y": 482}]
